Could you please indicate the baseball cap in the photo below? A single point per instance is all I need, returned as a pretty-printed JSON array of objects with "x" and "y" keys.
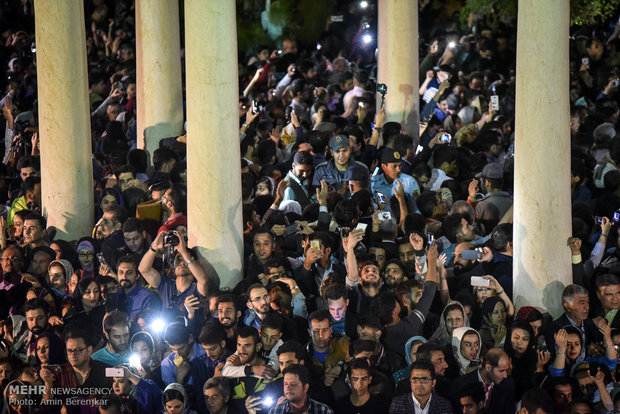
[
  {"x": 491, "y": 170},
  {"x": 356, "y": 173},
  {"x": 338, "y": 141},
  {"x": 389, "y": 155}
]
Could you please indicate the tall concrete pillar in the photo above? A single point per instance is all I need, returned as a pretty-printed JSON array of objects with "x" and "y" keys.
[
  {"x": 542, "y": 206},
  {"x": 213, "y": 153},
  {"x": 64, "y": 118},
  {"x": 158, "y": 84},
  {"x": 398, "y": 62}
]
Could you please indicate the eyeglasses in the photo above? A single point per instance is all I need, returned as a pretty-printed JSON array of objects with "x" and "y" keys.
[
  {"x": 86, "y": 254},
  {"x": 76, "y": 351},
  {"x": 421, "y": 380},
  {"x": 257, "y": 300},
  {"x": 11, "y": 259}
]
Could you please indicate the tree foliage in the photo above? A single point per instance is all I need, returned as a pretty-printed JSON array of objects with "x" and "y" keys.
[{"x": 583, "y": 12}]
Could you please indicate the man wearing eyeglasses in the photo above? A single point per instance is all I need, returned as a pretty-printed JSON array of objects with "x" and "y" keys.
[
  {"x": 12, "y": 262},
  {"x": 80, "y": 372},
  {"x": 422, "y": 399},
  {"x": 258, "y": 306}
]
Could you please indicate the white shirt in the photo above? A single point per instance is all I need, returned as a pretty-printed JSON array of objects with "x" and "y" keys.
[{"x": 417, "y": 409}]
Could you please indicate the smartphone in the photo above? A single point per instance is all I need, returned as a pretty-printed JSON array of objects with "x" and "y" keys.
[
  {"x": 337, "y": 18},
  {"x": 290, "y": 230},
  {"x": 254, "y": 107},
  {"x": 381, "y": 199},
  {"x": 178, "y": 360},
  {"x": 598, "y": 219},
  {"x": 480, "y": 281},
  {"x": 419, "y": 149},
  {"x": 585, "y": 61},
  {"x": 471, "y": 255},
  {"x": 315, "y": 244},
  {"x": 361, "y": 226},
  {"x": 385, "y": 215},
  {"x": 267, "y": 401},
  {"x": 445, "y": 138},
  {"x": 114, "y": 372},
  {"x": 494, "y": 102},
  {"x": 345, "y": 231},
  {"x": 203, "y": 303},
  {"x": 616, "y": 216},
  {"x": 430, "y": 238}
]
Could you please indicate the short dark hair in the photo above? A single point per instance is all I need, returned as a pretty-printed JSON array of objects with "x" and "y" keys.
[
  {"x": 425, "y": 351},
  {"x": 318, "y": 315},
  {"x": 248, "y": 332},
  {"x": 211, "y": 334},
  {"x": 292, "y": 346},
  {"x": 128, "y": 258},
  {"x": 29, "y": 184},
  {"x": 303, "y": 158},
  {"x": 177, "y": 334},
  {"x": 162, "y": 156},
  {"x": 336, "y": 291},
  {"x": 358, "y": 363},
  {"x": 178, "y": 198},
  {"x": 443, "y": 154},
  {"x": 452, "y": 225},
  {"x": 133, "y": 224},
  {"x": 607, "y": 279},
  {"x": 119, "y": 213},
  {"x": 39, "y": 218},
  {"x": 426, "y": 203},
  {"x": 263, "y": 230},
  {"x": 474, "y": 391},
  {"x": 501, "y": 236},
  {"x": 227, "y": 298},
  {"x": 78, "y": 334},
  {"x": 273, "y": 321},
  {"x": 535, "y": 399},
  {"x": 301, "y": 371},
  {"x": 29, "y": 161},
  {"x": 371, "y": 321},
  {"x": 125, "y": 169},
  {"x": 114, "y": 318},
  {"x": 252, "y": 287},
  {"x": 423, "y": 364},
  {"x": 36, "y": 303},
  {"x": 362, "y": 345}
]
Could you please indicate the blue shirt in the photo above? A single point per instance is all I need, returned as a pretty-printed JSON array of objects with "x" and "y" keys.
[
  {"x": 201, "y": 369},
  {"x": 111, "y": 358},
  {"x": 378, "y": 183},
  {"x": 172, "y": 299},
  {"x": 138, "y": 300}
]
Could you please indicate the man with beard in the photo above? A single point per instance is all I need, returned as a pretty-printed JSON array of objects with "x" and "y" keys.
[
  {"x": 133, "y": 298},
  {"x": 116, "y": 332},
  {"x": 325, "y": 351},
  {"x": 37, "y": 320},
  {"x": 407, "y": 254},
  {"x": 258, "y": 306},
  {"x": 228, "y": 314},
  {"x": 111, "y": 230},
  {"x": 174, "y": 202},
  {"x": 212, "y": 338},
  {"x": 252, "y": 372},
  {"x": 34, "y": 232},
  {"x": 296, "y": 384},
  {"x": 394, "y": 274},
  {"x": 187, "y": 364},
  {"x": 190, "y": 284}
]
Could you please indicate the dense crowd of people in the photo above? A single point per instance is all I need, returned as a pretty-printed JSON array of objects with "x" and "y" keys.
[{"x": 377, "y": 266}]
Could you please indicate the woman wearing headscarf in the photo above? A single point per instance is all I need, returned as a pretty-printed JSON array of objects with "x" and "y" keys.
[
  {"x": 466, "y": 345},
  {"x": 453, "y": 316},
  {"x": 493, "y": 329},
  {"x": 411, "y": 346}
]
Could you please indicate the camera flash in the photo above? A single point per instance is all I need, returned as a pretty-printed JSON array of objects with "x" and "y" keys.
[{"x": 367, "y": 39}]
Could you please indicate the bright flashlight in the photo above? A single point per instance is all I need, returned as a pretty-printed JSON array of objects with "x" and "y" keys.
[
  {"x": 158, "y": 325},
  {"x": 451, "y": 44},
  {"x": 134, "y": 361},
  {"x": 363, "y": 4},
  {"x": 367, "y": 39},
  {"x": 267, "y": 401}
]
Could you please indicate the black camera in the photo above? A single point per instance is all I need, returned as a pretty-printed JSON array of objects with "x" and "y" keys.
[
  {"x": 171, "y": 239},
  {"x": 382, "y": 88}
]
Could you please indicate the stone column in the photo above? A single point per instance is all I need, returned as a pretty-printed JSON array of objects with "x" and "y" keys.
[
  {"x": 158, "y": 84},
  {"x": 542, "y": 207},
  {"x": 64, "y": 118},
  {"x": 213, "y": 153},
  {"x": 398, "y": 62}
]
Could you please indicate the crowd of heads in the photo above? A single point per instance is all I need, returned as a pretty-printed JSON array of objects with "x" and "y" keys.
[{"x": 378, "y": 255}]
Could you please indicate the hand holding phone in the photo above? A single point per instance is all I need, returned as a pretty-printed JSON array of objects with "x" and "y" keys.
[{"x": 480, "y": 281}]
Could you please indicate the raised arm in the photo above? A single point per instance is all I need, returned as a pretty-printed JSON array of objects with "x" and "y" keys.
[
  {"x": 202, "y": 282},
  {"x": 150, "y": 274}
]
